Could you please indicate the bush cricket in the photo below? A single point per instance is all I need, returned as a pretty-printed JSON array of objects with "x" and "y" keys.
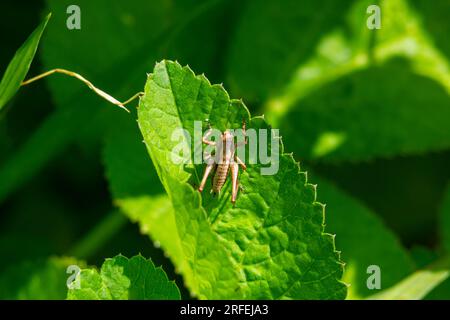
[{"x": 224, "y": 161}]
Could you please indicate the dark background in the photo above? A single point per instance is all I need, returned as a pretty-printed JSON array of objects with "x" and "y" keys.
[{"x": 53, "y": 209}]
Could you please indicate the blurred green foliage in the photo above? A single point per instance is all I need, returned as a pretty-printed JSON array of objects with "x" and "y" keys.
[
  {"x": 365, "y": 111},
  {"x": 121, "y": 278}
]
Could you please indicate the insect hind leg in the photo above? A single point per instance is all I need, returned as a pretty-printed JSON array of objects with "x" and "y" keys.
[
  {"x": 234, "y": 181},
  {"x": 209, "y": 167}
]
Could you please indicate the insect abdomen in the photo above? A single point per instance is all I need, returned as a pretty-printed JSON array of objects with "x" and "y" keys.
[{"x": 220, "y": 177}]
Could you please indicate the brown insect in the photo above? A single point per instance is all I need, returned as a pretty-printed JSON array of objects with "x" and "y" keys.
[{"x": 225, "y": 161}]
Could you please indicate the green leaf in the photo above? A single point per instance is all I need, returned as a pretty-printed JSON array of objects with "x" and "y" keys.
[
  {"x": 368, "y": 242},
  {"x": 364, "y": 241},
  {"x": 424, "y": 257},
  {"x": 135, "y": 36},
  {"x": 435, "y": 21},
  {"x": 418, "y": 284},
  {"x": 340, "y": 51},
  {"x": 272, "y": 243},
  {"x": 444, "y": 218},
  {"x": 352, "y": 68},
  {"x": 272, "y": 39},
  {"x": 405, "y": 34},
  {"x": 37, "y": 280},
  {"x": 136, "y": 188},
  {"x": 140, "y": 197},
  {"x": 42, "y": 146},
  {"x": 99, "y": 235},
  {"x": 375, "y": 91},
  {"x": 18, "y": 67},
  {"x": 121, "y": 278},
  {"x": 442, "y": 291},
  {"x": 122, "y": 145},
  {"x": 384, "y": 105}
]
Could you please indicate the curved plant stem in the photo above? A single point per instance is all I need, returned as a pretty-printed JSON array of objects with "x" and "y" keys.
[{"x": 98, "y": 91}]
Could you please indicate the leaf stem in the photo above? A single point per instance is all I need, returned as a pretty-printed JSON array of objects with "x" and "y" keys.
[{"x": 99, "y": 235}]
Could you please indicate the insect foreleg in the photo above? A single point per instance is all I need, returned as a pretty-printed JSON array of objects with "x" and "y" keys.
[{"x": 206, "y": 136}]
